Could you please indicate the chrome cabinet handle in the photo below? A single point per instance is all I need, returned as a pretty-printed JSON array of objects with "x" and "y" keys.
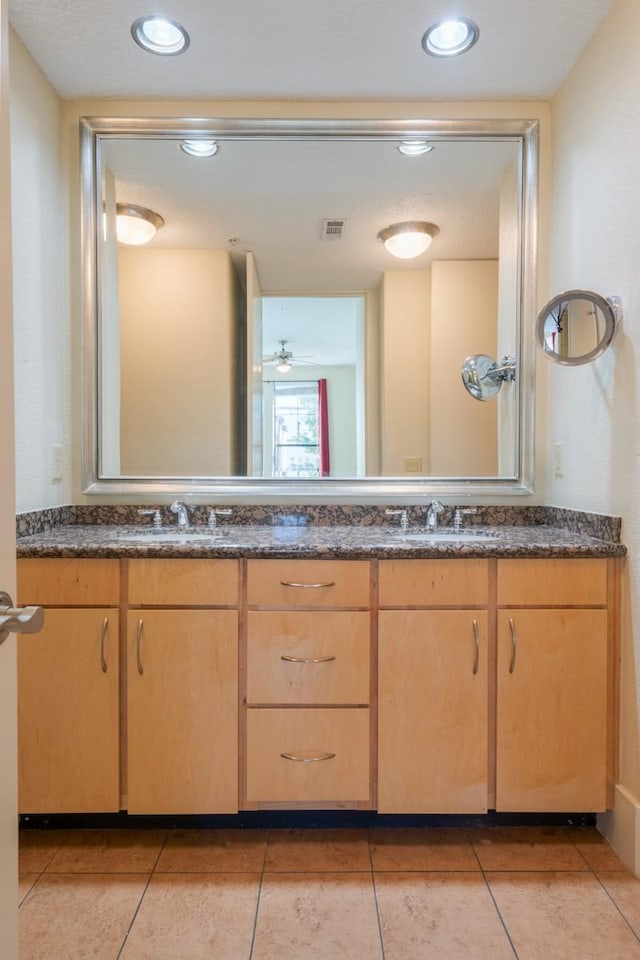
[
  {"x": 18, "y": 619},
  {"x": 307, "y": 586},
  {"x": 139, "y": 646},
  {"x": 512, "y": 627},
  {"x": 103, "y": 637},
  {"x": 306, "y": 659},
  {"x": 322, "y": 756},
  {"x": 476, "y": 637}
]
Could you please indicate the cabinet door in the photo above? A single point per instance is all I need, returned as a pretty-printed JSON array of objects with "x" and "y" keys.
[
  {"x": 68, "y": 714},
  {"x": 552, "y": 710},
  {"x": 432, "y": 738},
  {"x": 182, "y": 720}
]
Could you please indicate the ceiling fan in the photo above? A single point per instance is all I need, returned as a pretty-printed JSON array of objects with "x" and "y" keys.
[{"x": 284, "y": 359}]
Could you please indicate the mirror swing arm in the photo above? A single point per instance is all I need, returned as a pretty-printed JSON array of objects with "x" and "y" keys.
[{"x": 328, "y": 489}]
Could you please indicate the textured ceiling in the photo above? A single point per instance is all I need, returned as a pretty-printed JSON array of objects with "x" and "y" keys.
[{"x": 307, "y": 49}]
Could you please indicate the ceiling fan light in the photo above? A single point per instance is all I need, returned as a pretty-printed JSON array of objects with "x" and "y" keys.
[
  {"x": 283, "y": 367},
  {"x": 409, "y": 239},
  {"x": 136, "y": 225}
]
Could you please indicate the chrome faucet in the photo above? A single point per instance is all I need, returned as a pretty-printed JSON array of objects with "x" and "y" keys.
[
  {"x": 458, "y": 513},
  {"x": 180, "y": 509},
  {"x": 434, "y": 508}
]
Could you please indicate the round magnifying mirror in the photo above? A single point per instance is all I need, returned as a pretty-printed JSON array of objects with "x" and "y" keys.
[{"x": 576, "y": 326}]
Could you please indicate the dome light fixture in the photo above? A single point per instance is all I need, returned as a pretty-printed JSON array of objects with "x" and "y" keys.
[
  {"x": 414, "y": 148},
  {"x": 199, "y": 148},
  {"x": 159, "y": 35},
  {"x": 136, "y": 225},
  {"x": 448, "y": 38},
  {"x": 409, "y": 239}
]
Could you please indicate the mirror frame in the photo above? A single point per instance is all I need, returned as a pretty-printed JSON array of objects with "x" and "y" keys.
[
  {"x": 344, "y": 490},
  {"x": 609, "y": 307}
]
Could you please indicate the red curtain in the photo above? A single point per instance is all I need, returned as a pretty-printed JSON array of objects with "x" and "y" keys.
[{"x": 323, "y": 428}]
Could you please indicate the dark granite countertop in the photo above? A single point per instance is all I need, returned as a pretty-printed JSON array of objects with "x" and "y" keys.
[{"x": 351, "y": 541}]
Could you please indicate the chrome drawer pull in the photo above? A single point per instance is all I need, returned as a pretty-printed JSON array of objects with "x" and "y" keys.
[
  {"x": 306, "y": 659},
  {"x": 476, "y": 637},
  {"x": 292, "y": 756},
  {"x": 139, "y": 646},
  {"x": 512, "y": 627},
  {"x": 105, "y": 628},
  {"x": 307, "y": 586}
]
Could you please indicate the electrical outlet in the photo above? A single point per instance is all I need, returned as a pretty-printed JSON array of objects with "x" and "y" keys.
[
  {"x": 558, "y": 460},
  {"x": 413, "y": 464},
  {"x": 56, "y": 463}
]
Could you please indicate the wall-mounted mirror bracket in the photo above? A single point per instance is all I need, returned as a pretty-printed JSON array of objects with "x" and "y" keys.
[
  {"x": 577, "y": 326},
  {"x": 483, "y": 376}
]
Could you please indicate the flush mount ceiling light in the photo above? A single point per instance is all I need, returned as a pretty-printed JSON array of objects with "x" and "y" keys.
[
  {"x": 414, "y": 148},
  {"x": 408, "y": 239},
  {"x": 159, "y": 35},
  {"x": 136, "y": 225},
  {"x": 199, "y": 148},
  {"x": 448, "y": 38}
]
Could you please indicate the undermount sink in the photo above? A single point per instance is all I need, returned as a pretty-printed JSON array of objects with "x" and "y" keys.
[
  {"x": 450, "y": 536},
  {"x": 173, "y": 536}
]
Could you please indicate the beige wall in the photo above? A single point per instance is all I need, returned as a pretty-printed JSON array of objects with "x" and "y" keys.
[
  {"x": 42, "y": 290},
  {"x": 404, "y": 363},
  {"x": 177, "y": 329},
  {"x": 594, "y": 410},
  {"x": 464, "y": 309}
]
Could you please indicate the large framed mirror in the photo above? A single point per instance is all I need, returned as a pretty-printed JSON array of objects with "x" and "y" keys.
[{"x": 265, "y": 342}]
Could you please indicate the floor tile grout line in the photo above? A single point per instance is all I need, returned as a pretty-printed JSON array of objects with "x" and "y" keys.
[
  {"x": 142, "y": 896},
  {"x": 375, "y": 896},
  {"x": 493, "y": 899},
  {"x": 616, "y": 905}
]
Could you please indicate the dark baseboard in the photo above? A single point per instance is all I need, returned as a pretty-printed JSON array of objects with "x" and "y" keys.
[{"x": 308, "y": 819}]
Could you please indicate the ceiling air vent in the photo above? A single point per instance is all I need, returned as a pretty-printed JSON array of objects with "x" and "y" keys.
[{"x": 333, "y": 229}]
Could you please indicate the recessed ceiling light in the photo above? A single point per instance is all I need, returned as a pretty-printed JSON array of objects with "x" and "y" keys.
[
  {"x": 414, "y": 148},
  {"x": 448, "y": 38},
  {"x": 199, "y": 148},
  {"x": 159, "y": 35}
]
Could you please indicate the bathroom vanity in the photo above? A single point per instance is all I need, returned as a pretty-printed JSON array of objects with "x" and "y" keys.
[{"x": 327, "y": 668}]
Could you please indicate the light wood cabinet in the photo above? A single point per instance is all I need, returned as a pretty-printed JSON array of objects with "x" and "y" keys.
[
  {"x": 308, "y": 684},
  {"x": 554, "y": 686},
  {"x": 182, "y": 687},
  {"x": 182, "y": 717},
  {"x": 68, "y": 688},
  {"x": 432, "y": 711},
  {"x": 406, "y": 686}
]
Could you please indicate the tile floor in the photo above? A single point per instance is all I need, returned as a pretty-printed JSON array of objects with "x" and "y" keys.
[{"x": 386, "y": 894}]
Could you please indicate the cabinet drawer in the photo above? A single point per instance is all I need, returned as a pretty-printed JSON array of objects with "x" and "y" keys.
[
  {"x": 308, "y": 657},
  {"x": 308, "y": 583},
  {"x": 183, "y": 582},
  {"x": 548, "y": 582},
  {"x": 340, "y": 735},
  {"x": 433, "y": 583},
  {"x": 68, "y": 582}
]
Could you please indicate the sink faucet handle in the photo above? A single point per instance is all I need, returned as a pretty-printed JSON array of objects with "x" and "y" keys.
[
  {"x": 458, "y": 514},
  {"x": 215, "y": 512},
  {"x": 404, "y": 517},
  {"x": 155, "y": 513}
]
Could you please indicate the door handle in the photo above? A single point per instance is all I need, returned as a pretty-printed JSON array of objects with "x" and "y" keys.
[{"x": 18, "y": 619}]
